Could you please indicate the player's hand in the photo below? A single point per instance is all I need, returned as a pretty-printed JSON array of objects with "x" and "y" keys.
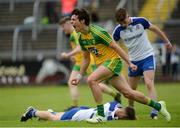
[
  {"x": 64, "y": 55},
  {"x": 133, "y": 67},
  {"x": 75, "y": 81},
  {"x": 169, "y": 46}
]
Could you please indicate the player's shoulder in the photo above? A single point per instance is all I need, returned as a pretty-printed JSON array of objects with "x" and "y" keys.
[
  {"x": 74, "y": 33},
  {"x": 96, "y": 28},
  {"x": 141, "y": 20},
  {"x": 118, "y": 28},
  {"x": 138, "y": 19},
  {"x": 116, "y": 33},
  {"x": 99, "y": 32},
  {"x": 112, "y": 105}
]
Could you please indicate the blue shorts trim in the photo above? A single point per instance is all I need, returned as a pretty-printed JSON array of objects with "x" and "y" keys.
[
  {"x": 143, "y": 65},
  {"x": 69, "y": 114}
]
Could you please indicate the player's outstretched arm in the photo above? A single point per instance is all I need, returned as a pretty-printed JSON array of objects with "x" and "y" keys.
[
  {"x": 75, "y": 51},
  {"x": 161, "y": 34},
  {"x": 124, "y": 56},
  {"x": 84, "y": 66},
  {"x": 46, "y": 115},
  {"x": 71, "y": 53},
  {"x": 85, "y": 62}
]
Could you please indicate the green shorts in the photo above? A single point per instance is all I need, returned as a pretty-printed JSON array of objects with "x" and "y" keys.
[
  {"x": 76, "y": 68},
  {"x": 115, "y": 65},
  {"x": 90, "y": 69}
]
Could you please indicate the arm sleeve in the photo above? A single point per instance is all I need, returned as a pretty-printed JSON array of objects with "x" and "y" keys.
[
  {"x": 104, "y": 37},
  {"x": 116, "y": 34},
  {"x": 146, "y": 24},
  {"x": 74, "y": 38}
]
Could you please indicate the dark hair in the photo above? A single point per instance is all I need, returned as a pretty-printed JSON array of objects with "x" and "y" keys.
[
  {"x": 64, "y": 20},
  {"x": 120, "y": 15},
  {"x": 130, "y": 113},
  {"x": 82, "y": 15}
]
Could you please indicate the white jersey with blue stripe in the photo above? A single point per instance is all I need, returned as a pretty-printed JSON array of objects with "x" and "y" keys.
[
  {"x": 135, "y": 38},
  {"x": 109, "y": 110}
]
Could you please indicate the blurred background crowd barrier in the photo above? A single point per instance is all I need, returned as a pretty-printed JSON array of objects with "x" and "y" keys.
[{"x": 31, "y": 39}]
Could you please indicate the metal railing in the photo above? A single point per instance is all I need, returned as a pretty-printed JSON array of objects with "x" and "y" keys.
[
  {"x": 17, "y": 52},
  {"x": 22, "y": 28},
  {"x": 35, "y": 15}
]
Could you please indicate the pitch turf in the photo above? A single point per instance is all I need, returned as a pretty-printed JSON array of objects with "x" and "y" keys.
[{"x": 14, "y": 101}]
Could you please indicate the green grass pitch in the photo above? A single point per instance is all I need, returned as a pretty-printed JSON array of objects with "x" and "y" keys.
[{"x": 14, "y": 101}]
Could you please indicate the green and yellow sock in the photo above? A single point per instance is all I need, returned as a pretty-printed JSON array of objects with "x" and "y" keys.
[
  {"x": 100, "y": 110},
  {"x": 154, "y": 104}
]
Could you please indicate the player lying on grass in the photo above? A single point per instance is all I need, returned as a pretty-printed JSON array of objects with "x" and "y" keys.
[{"x": 113, "y": 111}]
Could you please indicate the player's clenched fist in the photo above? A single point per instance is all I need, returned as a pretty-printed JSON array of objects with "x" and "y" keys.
[
  {"x": 64, "y": 55},
  {"x": 133, "y": 67},
  {"x": 76, "y": 80}
]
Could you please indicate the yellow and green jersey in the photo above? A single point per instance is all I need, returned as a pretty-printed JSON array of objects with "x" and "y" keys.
[
  {"x": 97, "y": 42},
  {"x": 74, "y": 42}
]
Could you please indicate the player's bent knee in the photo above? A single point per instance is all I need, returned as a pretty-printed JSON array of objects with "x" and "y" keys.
[{"x": 90, "y": 81}]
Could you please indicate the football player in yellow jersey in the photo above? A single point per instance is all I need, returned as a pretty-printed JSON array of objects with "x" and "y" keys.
[
  {"x": 76, "y": 53},
  {"x": 94, "y": 39}
]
